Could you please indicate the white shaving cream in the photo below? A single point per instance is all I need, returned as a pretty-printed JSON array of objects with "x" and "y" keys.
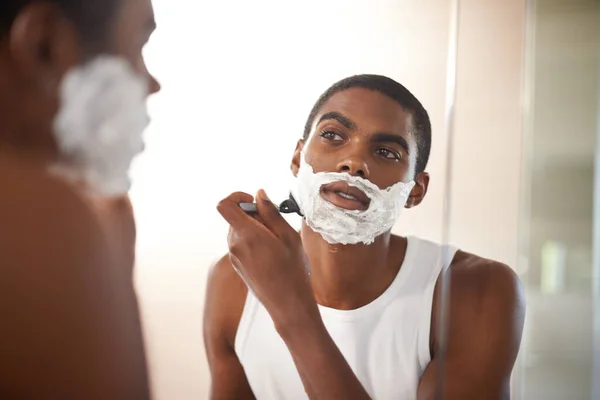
[
  {"x": 340, "y": 226},
  {"x": 100, "y": 123}
]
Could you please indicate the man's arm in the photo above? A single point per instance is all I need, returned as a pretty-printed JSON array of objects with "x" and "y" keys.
[
  {"x": 323, "y": 369},
  {"x": 225, "y": 299},
  {"x": 70, "y": 323},
  {"x": 487, "y": 310}
]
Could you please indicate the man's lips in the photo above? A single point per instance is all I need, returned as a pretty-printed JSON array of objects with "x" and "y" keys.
[{"x": 345, "y": 196}]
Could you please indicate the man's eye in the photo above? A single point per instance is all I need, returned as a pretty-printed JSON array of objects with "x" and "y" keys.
[
  {"x": 329, "y": 135},
  {"x": 390, "y": 155}
]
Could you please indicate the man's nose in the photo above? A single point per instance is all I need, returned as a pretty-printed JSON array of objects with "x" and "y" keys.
[
  {"x": 354, "y": 165},
  {"x": 154, "y": 85}
]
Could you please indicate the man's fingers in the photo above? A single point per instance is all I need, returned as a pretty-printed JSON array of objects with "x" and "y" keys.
[
  {"x": 272, "y": 218},
  {"x": 240, "y": 197},
  {"x": 230, "y": 209}
]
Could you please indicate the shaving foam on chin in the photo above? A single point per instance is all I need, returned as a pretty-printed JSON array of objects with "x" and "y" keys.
[
  {"x": 100, "y": 123},
  {"x": 340, "y": 226}
]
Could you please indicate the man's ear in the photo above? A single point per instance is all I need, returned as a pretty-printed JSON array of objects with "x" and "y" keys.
[
  {"x": 43, "y": 43},
  {"x": 295, "y": 166},
  {"x": 419, "y": 191}
]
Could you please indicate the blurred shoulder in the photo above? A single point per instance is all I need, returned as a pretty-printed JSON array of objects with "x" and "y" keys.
[
  {"x": 34, "y": 199},
  {"x": 44, "y": 220}
]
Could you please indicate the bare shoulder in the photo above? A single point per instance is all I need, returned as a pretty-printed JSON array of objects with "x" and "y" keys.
[
  {"x": 479, "y": 278},
  {"x": 225, "y": 299},
  {"x": 484, "y": 295},
  {"x": 58, "y": 272},
  {"x": 485, "y": 325},
  {"x": 45, "y": 214},
  {"x": 37, "y": 209},
  {"x": 223, "y": 273}
]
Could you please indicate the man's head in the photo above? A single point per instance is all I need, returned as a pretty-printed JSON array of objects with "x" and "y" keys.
[
  {"x": 369, "y": 126},
  {"x": 41, "y": 40}
]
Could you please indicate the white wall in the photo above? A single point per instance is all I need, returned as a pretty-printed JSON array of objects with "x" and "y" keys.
[
  {"x": 239, "y": 79},
  {"x": 488, "y": 139}
]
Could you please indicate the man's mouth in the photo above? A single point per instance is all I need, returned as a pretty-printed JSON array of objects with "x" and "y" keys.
[
  {"x": 342, "y": 195},
  {"x": 346, "y": 196}
]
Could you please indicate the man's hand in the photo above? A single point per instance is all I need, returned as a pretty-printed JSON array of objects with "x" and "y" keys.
[{"x": 267, "y": 253}]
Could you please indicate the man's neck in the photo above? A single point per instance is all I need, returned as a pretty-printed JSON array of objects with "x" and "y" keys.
[
  {"x": 36, "y": 156},
  {"x": 36, "y": 160},
  {"x": 350, "y": 276}
]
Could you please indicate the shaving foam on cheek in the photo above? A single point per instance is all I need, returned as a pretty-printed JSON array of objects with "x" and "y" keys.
[
  {"x": 100, "y": 124},
  {"x": 340, "y": 226}
]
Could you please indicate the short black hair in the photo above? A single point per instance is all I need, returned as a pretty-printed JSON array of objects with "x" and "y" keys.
[
  {"x": 394, "y": 90},
  {"x": 92, "y": 18}
]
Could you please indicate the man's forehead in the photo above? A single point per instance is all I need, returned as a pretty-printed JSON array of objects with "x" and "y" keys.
[
  {"x": 368, "y": 110},
  {"x": 140, "y": 10}
]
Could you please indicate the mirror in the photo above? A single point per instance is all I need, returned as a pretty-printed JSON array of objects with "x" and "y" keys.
[{"x": 238, "y": 87}]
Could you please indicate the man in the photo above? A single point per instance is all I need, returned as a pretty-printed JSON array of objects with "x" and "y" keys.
[
  {"x": 73, "y": 86},
  {"x": 345, "y": 309}
]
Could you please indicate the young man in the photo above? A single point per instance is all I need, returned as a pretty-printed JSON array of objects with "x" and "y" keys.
[
  {"x": 346, "y": 310},
  {"x": 73, "y": 87}
]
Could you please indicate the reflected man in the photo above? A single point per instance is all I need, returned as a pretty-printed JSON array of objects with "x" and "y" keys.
[{"x": 345, "y": 309}]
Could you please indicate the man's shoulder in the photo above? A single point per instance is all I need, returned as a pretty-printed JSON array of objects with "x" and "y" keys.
[
  {"x": 475, "y": 278},
  {"x": 29, "y": 189},
  {"x": 35, "y": 207},
  {"x": 225, "y": 299},
  {"x": 468, "y": 266},
  {"x": 471, "y": 273},
  {"x": 223, "y": 277},
  {"x": 484, "y": 294},
  {"x": 57, "y": 271},
  {"x": 48, "y": 231}
]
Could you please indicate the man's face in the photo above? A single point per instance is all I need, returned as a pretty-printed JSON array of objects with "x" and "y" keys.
[
  {"x": 367, "y": 134},
  {"x": 133, "y": 26},
  {"x": 42, "y": 46}
]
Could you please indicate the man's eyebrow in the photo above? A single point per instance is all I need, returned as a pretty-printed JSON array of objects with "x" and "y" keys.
[
  {"x": 347, "y": 122},
  {"x": 390, "y": 138},
  {"x": 377, "y": 138}
]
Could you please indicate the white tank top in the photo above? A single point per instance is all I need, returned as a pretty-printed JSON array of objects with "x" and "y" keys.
[{"x": 386, "y": 342}]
